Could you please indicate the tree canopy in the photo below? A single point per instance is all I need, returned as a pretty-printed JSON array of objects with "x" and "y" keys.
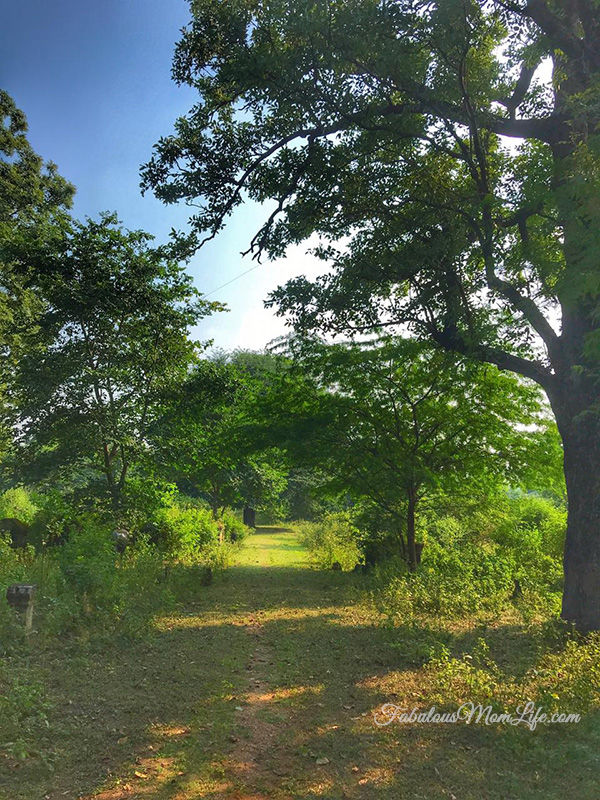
[
  {"x": 110, "y": 352},
  {"x": 385, "y": 129},
  {"x": 392, "y": 420}
]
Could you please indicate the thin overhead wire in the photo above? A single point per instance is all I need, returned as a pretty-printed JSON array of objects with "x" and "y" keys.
[{"x": 233, "y": 280}]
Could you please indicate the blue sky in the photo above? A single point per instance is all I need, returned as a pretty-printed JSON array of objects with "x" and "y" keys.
[{"x": 94, "y": 81}]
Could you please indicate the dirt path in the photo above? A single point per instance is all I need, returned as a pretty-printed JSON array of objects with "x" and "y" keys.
[
  {"x": 265, "y": 687},
  {"x": 278, "y": 707}
]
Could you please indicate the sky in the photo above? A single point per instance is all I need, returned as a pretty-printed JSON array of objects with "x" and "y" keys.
[{"x": 94, "y": 79}]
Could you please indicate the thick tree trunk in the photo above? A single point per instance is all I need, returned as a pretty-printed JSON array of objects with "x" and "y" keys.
[
  {"x": 410, "y": 530},
  {"x": 249, "y": 517},
  {"x": 575, "y": 395},
  {"x": 580, "y": 431}
]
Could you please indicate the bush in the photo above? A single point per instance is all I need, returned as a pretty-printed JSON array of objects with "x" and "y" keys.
[
  {"x": 186, "y": 532},
  {"x": 143, "y": 498},
  {"x": 333, "y": 539},
  {"x": 18, "y": 503},
  {"x": 99, "y": 590},
  {"x": 23, "y": 713},
  {"x": 54, "y": 520},
  {"x": 567, "y": 680},
  {"x": 234, "y": 528},
  {"x": 84, "y": 587},
  {"x": 471, "y": 561},
  {"x": 534, "y": 526}
]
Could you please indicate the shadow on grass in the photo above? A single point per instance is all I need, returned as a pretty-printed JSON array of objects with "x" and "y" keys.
[
  {"x": 266, "y": 530},
  {"x": 160, "y": 718}
]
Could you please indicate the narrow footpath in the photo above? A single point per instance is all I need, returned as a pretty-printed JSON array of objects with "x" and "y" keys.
[{"x": 265, "y": 686}]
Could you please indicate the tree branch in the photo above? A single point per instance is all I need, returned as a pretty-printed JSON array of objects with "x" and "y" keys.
[
  {"x": 521, "y": 88},
  {"x": 533, "y": 370}
]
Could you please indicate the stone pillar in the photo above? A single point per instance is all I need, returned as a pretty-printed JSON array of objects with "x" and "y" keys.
[
  {"x": 20, "y": 597},
  {"x": 249, "y": 517}
]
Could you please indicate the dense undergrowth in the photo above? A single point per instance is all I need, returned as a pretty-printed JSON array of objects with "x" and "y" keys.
[
  {"x": 88, "y": 593},
  {"x": 85, "y": 587},
  {"x": 490, "y": 579},
  {"x": 478, "y": 619}
]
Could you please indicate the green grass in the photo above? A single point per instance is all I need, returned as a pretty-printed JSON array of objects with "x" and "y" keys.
[
  {"x": 273, "y": 668},
  {"x": 273, "y": 546}
]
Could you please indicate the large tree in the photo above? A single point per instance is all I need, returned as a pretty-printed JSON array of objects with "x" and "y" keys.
[
  {"x": 213, "y": 442},
  {"x": 400, "y": 420},
  {"x": 385, "y": 124},
  {"x": 111, "y": 352},
  {"x": 34, "y": 202}
]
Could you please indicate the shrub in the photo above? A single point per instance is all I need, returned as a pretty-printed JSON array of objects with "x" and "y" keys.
[
  {"x": 54, "y": 520},
  {"x": 472, "y": 560},
  {"x": 23, "y": 713},
  {"x": 98, "y": 592},
  {"x": 333, "y": 539},
  {"x": 567, "y": 680},
  {"x": 186, "y": 531},
  {"x": 534, "y": 526},
  {"x": 234, "y": 528},
  {"x": 143, "y": 498},
  {"x": 18, "y": 503}
]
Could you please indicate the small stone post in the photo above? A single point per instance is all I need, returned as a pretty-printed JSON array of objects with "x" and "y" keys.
[{"x": 20, "y": 597}]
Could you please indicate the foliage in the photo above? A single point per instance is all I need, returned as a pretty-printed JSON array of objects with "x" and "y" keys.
[
  {"x": 380, "y": 126},
  {"x": 18, "y": 503},
  {"x": 24, "y": 713},
  {"x": 566, "y": 680},
  {"x": 216, "y": 445},
  {"x": 332, "y": 540},
  {"x": 380, "y": 129},
  {"x": 186, "y": 531},
  {"x": 29, "y": 188},
  {"x": 390, "y": 421},
  {"x": 34, "y": 200},
  {"x": 470, "y": 562},
  {"x": 233, "y": 527},
  {"x": 111, "y": 348}
]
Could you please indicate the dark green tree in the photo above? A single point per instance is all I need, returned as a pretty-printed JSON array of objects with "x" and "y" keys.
[
  {"x": 112, "y": 350},
  {"x": 34, "y": 200},
  {"x": 385, "y": 125}
]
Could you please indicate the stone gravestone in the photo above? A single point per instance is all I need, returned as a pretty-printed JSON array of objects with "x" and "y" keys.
[
  {"x": 20, "y": 597},
  {"x": 120, "y": 539}
]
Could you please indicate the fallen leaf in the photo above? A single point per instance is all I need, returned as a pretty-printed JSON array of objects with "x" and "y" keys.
[{"x": 321, "y": 761}]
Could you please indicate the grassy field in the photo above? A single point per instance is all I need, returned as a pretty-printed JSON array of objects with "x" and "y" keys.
[{"x": 264, "y": 686}]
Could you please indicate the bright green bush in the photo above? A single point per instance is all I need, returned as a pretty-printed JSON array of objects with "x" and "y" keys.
[
  {"x": 533, "y": 525},
  {"x": 334, "y": 539},
  {"x": 234, "y": 528},
  {"x": 472, "y": 561},
  {"x": 186, "y": 532},
  {"x": 19, "y": 504}
]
